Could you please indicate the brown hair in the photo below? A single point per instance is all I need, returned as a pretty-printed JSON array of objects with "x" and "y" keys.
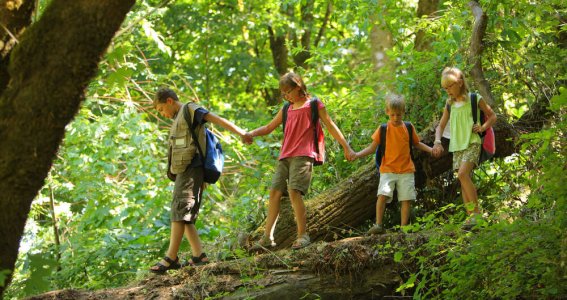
[
  {"x": 163, "y": 93},
  {"x": 395, "y": 102},
  {"x": 293, "y": 80},
  {"x": 458, "y": 75}
]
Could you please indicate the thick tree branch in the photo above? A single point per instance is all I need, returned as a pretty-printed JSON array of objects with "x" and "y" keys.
[{"x": 475, "y": 52}]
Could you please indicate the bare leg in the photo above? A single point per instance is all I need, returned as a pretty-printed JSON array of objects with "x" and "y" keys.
[
  {"x": 273, "y": 212},
  {"x": 470, "y": 197},
  {"x": 193, "y": 237},
  {"x": 174, "y": 242},
  {"x": 405, "y": 212},
  {"x": 299, "y": 211},
  {"x": 380, "y": 208}
]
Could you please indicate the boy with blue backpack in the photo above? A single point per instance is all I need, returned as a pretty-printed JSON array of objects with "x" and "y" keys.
[
  {"x": 188, "y": 138},
  {"x": 392, "y": 142}
]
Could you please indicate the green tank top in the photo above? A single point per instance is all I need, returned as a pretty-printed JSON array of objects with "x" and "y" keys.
[{"x": 461, "y": 127}]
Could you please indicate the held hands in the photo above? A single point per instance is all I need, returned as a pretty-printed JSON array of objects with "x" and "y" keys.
[
  {"x": 350, "y": 155},
  {"x": 437, "y": 150},
  {"x": 247, "y": 138}
]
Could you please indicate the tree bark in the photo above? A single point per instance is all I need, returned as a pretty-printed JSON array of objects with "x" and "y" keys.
[
  {"x": 347, "y": 269},
  {"x": 48, "y": 72},
  {"x": 425, "y": 8},
  {"x": 16, "y": 17},
  {"x": 475, "y": 52}
]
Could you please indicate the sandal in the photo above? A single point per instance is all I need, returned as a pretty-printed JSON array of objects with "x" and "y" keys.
[
  {"x": 302, "y": 241},
  {"x": 161, "y": 268},
  {"x": 197, "y": 261}
]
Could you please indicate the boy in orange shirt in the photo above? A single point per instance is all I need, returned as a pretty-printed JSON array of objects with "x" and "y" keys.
[{"x": 396, "y": 168}]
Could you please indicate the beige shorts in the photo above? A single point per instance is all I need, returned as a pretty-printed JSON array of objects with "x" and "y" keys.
[
  {"x": 293, "y": 173},
  {"x": 403, "y": 183},
  {"x": 471, "y": 154}
]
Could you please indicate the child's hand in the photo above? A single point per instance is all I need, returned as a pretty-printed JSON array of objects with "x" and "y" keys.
[
  {"x": 437, "y": 150},
  {"x": 350, "y": 155},
  {"x": 247, "y": 138},
  {"x": 477, "y": 128}
]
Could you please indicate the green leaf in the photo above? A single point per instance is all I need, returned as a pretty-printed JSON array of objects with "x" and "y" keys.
[{"x": 398, "y": 256}]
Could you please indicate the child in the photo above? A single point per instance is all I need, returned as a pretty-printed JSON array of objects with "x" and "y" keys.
[
  {"x": 186, "y": 166},
  {"x": 296, "y": 158},
  {"x": 397, "y": 168},
  {"x": 465, "y": 141}
]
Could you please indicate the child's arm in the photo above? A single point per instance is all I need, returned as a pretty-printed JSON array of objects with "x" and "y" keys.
[
  {"x": 224, "y": 123},
  {"x": 366, "y": 151},
  {"x": 437, "y": 147},
  {"x": 336, "y": 133},
  {"x": 423, "y": 147},
  {"x": 267, "y": 129},
  {"x": 489, "y": 115}
]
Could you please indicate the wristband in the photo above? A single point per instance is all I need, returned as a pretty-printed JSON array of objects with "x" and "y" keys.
[{"x": 437, "y": 142}]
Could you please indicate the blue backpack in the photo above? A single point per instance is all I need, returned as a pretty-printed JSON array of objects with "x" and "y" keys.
[
  {"x": 382, "y": 147},
  {"x": 213, "y": 158}
]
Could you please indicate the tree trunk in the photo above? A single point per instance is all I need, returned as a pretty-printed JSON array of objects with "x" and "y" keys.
[
  {"x": 49, "y": 70},
  {"x": 16, "y": 17},
  {"x": 425, "y": 8}
]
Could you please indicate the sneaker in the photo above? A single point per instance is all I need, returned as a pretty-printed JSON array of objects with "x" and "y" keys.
[
  {"x": 376, "y": 229},
  {"x": 302, "y": 242},
  {"x": 264, "y": 242}
]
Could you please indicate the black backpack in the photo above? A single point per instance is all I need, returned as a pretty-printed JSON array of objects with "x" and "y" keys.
[
  {"x": 318, "y": 137},
  {"x": 382, "y": 147}
]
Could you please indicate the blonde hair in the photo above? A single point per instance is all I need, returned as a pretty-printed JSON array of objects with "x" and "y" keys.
[
  {"x": 456, "y": 74},
  {"x": 395, "y": 102},
  {"x": 293, "y": 80}
]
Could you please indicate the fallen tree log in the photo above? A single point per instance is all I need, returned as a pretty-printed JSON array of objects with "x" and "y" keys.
[{"x": 348, "y": 269}]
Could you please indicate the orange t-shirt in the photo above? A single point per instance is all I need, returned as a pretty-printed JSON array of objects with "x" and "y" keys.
[{"x": 397, "y": 158}]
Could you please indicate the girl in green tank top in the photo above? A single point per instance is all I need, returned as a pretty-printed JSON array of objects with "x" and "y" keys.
[{"x": 465, "y": 140}]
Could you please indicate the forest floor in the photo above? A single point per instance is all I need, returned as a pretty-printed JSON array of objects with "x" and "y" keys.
[{"x": 352, "y": 268}]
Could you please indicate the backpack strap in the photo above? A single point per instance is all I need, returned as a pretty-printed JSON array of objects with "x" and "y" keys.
[
  {"x": 382, "y": 147},
  {"x": 189, "y": 121},
  {"x": 474, "y": 107},
  {"x": 410, "y": 133},
  {"x": 314, "y": 119},
  {"x": 477, "y": 117},
  {"x": 284, "y": 115}
]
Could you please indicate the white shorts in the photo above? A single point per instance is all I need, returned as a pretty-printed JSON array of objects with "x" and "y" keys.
[{"x": 403, "y": 183}]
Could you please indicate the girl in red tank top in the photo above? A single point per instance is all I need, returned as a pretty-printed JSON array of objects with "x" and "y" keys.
[{"x": 295, "y": 162}]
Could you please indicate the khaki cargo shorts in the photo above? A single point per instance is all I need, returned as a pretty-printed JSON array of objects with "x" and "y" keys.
[
  {"x": 293, "y": 173},
  {"x": 187, "y": 195}
]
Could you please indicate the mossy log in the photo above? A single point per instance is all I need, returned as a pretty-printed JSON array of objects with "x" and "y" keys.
[{"x": 353, "y": 268}]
